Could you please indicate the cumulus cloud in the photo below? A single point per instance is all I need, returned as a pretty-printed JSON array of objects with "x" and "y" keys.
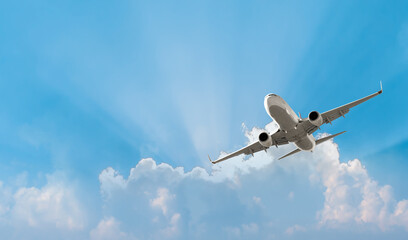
[
  {"x": 225, "y": 200},
  {"x": 243, "y": 198},
  {"x": 34, "y": 212},
  {"x": 108, "y": 229},
  {"x": 163, "y": 197},
  {"x": 353, "y": 196},
  {"x": 51, "y": 205}
]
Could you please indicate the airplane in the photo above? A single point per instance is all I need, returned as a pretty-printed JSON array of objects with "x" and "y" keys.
[{"x": 293, "y": 128}]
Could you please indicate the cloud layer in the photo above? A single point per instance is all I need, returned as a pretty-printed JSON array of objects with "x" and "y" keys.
[
  {"x": 258, "y": 197},
  {"x": 308, "y": 195}
]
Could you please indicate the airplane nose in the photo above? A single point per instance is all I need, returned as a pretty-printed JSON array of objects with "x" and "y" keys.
[
  {"x": 269, "y": 96},
  {"x": 271, "y": 99},
  {"x": 266, "y": 98},
  {"x": 267, "y": 101}
]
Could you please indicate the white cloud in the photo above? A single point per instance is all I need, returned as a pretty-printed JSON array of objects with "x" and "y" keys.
[
  {"x": 53, "y": 205},
  {"x": 108, "y": 229},
  {"x": 171, "y": 230},
  {"x": 50, "y": 205},
  {"x": 240, "y": 199},
  {"x": 295, "y": 228},
  {"x": 110, "y": 181},
  {"x": 353, "y": 196},
  {"x": 37, "y": 212},
  {"x": 227, "y": 202},
  {"x": 163, "y": 197}
]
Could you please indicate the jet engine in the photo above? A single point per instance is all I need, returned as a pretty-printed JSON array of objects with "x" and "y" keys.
[
  {"x": 315, "y": 118},
  {"x": 265, "y": 139}
]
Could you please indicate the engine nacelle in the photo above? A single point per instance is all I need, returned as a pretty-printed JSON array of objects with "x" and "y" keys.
[
  {"x": 315, "y": 118},
  {"x": 265, "y": 139}
]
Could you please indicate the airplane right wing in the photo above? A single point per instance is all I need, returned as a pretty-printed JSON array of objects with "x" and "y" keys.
[
  {"x": 250, "y": 149},
  {"x": 278, "y": 138}
]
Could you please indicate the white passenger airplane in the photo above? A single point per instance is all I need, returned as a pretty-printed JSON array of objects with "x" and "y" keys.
[{"x": 292, "y": 128}]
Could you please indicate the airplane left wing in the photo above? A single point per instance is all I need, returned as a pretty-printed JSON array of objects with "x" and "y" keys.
[
  {"x": 278, "y": 138},
  {"x": 333, "y": 114}
]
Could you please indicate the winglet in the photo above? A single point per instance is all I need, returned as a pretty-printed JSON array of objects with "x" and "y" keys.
[
  {"x": 210, "y": 159},
  {"x": 381, "y": 88}
]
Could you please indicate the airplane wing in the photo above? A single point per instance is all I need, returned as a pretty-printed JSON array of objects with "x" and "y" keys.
[
  {"x": 278, "y": 138},
  {"x": 335, "y": 113}
]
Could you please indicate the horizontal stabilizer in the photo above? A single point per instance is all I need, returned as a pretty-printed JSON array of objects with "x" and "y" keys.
[
  {"x": 321, "y": 140},
  {"x": 293, "y": 152}
]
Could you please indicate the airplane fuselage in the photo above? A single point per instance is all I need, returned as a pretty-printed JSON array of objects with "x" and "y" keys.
[{"x": 279, "y": 110}]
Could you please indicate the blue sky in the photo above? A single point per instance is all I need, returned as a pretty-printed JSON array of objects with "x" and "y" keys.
[{"x": 89, "y": 89}]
